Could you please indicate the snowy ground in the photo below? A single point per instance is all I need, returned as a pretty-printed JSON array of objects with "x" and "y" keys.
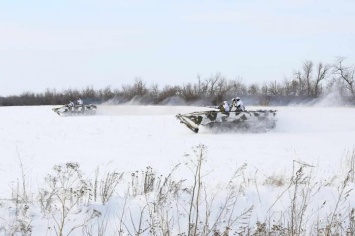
[
  {"x": 134, "y": 137},
  {"x": 131, "y": 138}
]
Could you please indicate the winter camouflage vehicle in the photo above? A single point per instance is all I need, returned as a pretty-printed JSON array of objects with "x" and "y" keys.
[
  {"x": 216, "y": 120},
  {"x": 67, "y": 110}
]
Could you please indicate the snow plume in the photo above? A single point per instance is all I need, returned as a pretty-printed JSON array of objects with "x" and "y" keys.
[
  {"x": 332, "y": 99},
  {"x": 115, "y": 101},
  {"x": 148, "y": 100},
  {"x": 173, "y": 101}
]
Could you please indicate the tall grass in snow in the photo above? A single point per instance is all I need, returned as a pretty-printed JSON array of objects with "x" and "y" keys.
[{"x": 147, "y": 203}]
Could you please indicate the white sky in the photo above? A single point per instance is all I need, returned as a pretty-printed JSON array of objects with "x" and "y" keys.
[{"x": 75, "y": 44}]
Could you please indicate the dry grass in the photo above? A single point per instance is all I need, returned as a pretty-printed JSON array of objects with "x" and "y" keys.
[{"x": 162, "y": 205}]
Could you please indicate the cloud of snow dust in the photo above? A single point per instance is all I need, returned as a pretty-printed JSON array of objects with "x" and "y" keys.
[
  {"x": 173, "y": 101},
  {"x": 332, "y": 99},
  {"x": 147, "y": 100}
]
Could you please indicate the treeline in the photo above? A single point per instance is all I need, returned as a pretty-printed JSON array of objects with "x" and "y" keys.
[{"x": 312, "y": 81}]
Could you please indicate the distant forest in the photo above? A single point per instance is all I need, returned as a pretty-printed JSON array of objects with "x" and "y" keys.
[{"x": 311, "y": 82}]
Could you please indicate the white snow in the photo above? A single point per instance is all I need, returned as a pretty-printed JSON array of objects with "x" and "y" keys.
[{"x": 131, "y": 138}]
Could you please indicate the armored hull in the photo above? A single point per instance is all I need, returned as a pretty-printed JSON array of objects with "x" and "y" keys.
[{"x": 254, "y": 121}]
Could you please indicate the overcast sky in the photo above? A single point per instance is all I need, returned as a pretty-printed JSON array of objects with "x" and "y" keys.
[{"x": 79, "y": 43}]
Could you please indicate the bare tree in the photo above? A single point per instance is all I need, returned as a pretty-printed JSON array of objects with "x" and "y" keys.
[
  {"x": 189, "y": 92},
  {"x": 139, "y": 87},
  {"x": 238, "y": 87},
  {"x": 201, "y": 86},
  {"x": 290, "y": 87},
  {"x": 223, "y": 88},
  {"x": 254, "y": 89},
  {"x": 307, "y": 76},
  {"x": 322, "y": 71},
  {"x": 346, "y": 74},
  {"x": 89, "y": 92},
  {"x": 154, "y": 91},
  {"x": 106, "y": 93},
  {"x": 273, "y": 88},
  {"x": 212, "y": 81},
  {"x": 264, "y": 89},
  {"x": 169, "y": 91}
]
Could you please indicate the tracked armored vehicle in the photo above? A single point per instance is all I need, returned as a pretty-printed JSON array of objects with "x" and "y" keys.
[
  {"x": 216, "y": 120},
  {"x": 68, "y": 110}
]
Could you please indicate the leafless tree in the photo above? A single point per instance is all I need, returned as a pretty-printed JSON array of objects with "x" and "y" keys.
[
  {"x": 188, "y": 92},
  {"x": 140, "y": 87},
  {"x": 238, "y": 87},
  {"x": 169, "y": 91},
  {"x": 106, "y": 93},
  {"x": 307, "y": 76},
  {"x": 273, "y": 88},
  {"x": 154, "y": 91},
  {"x": 212, "y": 81},
  {"x": 322, "y": 72},
  {"x": 89, "y": 92},
  {"x": 223, "y": 88},
  {"x": 290, "y": 87},
  {"x": 265, "y": 89},
  {"x": 346, "y": 74},
  {"x": 254, "y": 89},
  {"x": 301, "y": 91},
  {"x": 202, "y": 86}
]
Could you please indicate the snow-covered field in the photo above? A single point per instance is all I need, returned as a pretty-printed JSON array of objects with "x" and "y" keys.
[{"x": 131, "y": 138}]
